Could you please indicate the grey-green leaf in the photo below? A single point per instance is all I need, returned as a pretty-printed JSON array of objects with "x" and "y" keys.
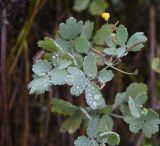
[
  {"x": 39, "y": 85},
  {"x": 85, "y": 141},
  {"x": 81, "y": 45},
  {"x": 100, "y": 36},
  {"x": 136, "y": 89},
  {"x": 121, "y": 35},
  {"x": 70, "y": 29},
  {"x": 105, "y": 76},
  {"x": 58, "y": 76},
  {"x": 41, "y": 67},
  {"x": 93, "y": 97},
  {"x": 92, "y": 127},
  {"x": 135, "y": 124},
  {"x": 136, "y": 41},
  {"x": 105, "y": 123},
  {"x": 87, "y": 30},
  {"x": 89, "y": 65},
  {"x": 133, "y": 108},
  {"x": 77, "y": 79}
]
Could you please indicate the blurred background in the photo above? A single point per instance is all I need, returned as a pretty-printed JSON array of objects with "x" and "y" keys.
[{"x": 26, "y": 120}]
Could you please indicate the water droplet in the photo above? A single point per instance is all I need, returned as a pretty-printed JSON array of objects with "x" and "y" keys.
[
  {"x": 97, "y": 96},
  {"x": 94, "y": 103},
  {"x": 53, "y": 57}
]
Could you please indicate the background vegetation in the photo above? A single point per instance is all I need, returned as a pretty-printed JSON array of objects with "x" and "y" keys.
[{"x": 27, "y": 120}]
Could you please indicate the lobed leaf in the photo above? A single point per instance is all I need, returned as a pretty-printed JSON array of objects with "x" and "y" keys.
[
  {"x": 70, "y": 29},
  {"x": 89, "y": 65},
  {"x": 41, "y": 67},
  {"x": 63, "y": 107}
]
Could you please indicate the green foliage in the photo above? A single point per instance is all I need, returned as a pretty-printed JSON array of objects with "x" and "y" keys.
[
  {"x": 71, "y": 29},
  {"x": 89, "y": 65},
  {"x": 97, "y": 7},
  {"x": 87, "y": 30},
  {"x": 156, "y": 64},
  {"x": 62, "y": 107},
  {"x": 80, "y": 5},
  {"x": 85, "y": 63},
  {"x": 105, "y": 76},
  {"x": 49, "y": 45},
  {"x": 72, "y": 123},
  {"x": 148, "y": 123},
  {"x": 81, "y": 45},
  {"x": 41, "y": 67},
  {"x": 136, "y": 41}
]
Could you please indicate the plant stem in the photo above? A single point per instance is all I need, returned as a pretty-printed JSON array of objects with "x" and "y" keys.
[
  {"x": 115, "y": 115},
  {"x": 128, "y": 73}
]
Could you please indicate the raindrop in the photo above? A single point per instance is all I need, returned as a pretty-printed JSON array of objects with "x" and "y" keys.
[{"x": 97, "y": 96}]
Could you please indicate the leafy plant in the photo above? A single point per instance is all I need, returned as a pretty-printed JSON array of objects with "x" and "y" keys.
[{"x": 86, "y": 61}]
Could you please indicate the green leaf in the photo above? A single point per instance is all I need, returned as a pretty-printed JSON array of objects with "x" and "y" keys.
[
  {"x": 77, "y": 79},
  {"x": 110, "y": 51},
  {"x": 151, "y": 125},
  {"x": 79, "y": 60},
  {"x": 72, "y": 123},
  {"x": 136, "y": 89},
  {"x": 110, "y": 40},
  {"x": 121, "y": 35},
  {"x": 41, "y": 67},
  {"x": 58, "y": 76},
  {"x": 49, "y": 44},
  {"x": 119, "y": 99},
  {"x": 85, "y": 141},
  {"x": 93, "y": 97},
  {"x": 105, "y": 76},
  {"x": 81, "y": 45},
  {"x": 135, "y": 124},
  {"x": 133, "y": 108},
  {"x": 125, "y": 110},
  {"x": 62, "y": 107},
  {"x": 121, "y": 51},
  {"x": 80, "y": 5},
  {"x": 92, "y": 127},
  {"x": 87, "y": 30},
  {"x": 113, "y": 138},
  {"x": 105, "y": 123},
  {"x": 156, "y": 64},
  {"x": 63, "y": 44},
  {"x": 39, "y": 85},
  {"x": 89, "y": 65},
  {"x": 97, "y": 7},
  {"x": 70, "y": 29},
  {"x": 136, "y": 41},
  {"x": 140, "y": 99},
  {"x": 69, "y": 57},
  {"x": 63, "y": 63},
  {"x": 102, "y": 33}
]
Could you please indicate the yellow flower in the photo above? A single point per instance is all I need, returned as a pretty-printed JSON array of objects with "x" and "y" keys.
[{"x": 105, "y": 16}]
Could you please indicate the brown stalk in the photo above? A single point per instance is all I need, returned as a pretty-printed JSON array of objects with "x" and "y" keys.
[
  {"x": 152, "y": 35},
  {"x": 5, "y": 131},
  {"x": 26, "y": 98},
  {"x": 23, "y": 35}
]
